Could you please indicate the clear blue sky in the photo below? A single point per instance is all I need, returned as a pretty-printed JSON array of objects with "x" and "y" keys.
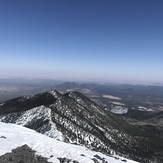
[{"x": 110, "y": 40}]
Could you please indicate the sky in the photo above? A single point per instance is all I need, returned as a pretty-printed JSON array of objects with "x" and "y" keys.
[{"x": 94, "y": 40}]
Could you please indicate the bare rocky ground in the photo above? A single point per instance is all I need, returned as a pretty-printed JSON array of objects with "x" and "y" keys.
[{"x": 23, "y": 154}]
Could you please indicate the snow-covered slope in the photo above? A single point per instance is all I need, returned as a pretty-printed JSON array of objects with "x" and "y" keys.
[
  {"x": 38, "y": 118},
  {"x": 13, "y": 136}
]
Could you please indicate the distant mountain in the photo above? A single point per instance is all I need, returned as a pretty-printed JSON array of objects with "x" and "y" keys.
[
  {"x": 68, "y": 85},
  {"x": 74, "y": 118}
]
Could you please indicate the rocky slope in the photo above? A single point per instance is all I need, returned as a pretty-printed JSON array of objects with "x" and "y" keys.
[
  {"x": 74, "y": 118},
  {"x": 22, "y": 145}
]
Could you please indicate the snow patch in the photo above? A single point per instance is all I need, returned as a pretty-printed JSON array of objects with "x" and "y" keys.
[
  {"x": 142, "y": 108},
  {"x": 118, "y": 103},
  {"x": 2, "y": 104},
  {"x": 119, "y": 110},
  {"x": 111, "y": 97},
  {"x": 53, "y": 93}
]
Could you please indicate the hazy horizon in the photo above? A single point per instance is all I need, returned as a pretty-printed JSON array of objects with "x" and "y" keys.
[
  {"x": 110, "y": 40},
  {"x": 25, "y": 80}
]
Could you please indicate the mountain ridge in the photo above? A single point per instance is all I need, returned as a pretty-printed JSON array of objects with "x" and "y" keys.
[{"x": 81, "y": 121}]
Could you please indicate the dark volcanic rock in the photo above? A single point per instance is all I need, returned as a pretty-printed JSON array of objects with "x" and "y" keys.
[
  {"x": 66, "y": 160},
  {"x": 23, "y": 154},
  {"x": 25, "y": 103}
]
